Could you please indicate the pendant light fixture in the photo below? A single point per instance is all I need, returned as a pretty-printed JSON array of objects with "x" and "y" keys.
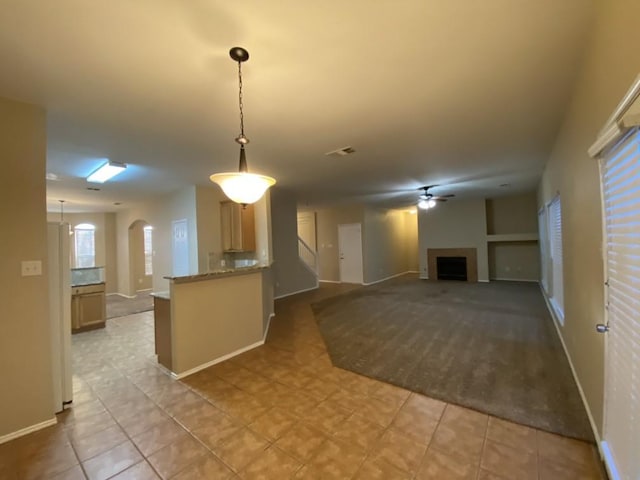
[{"x": 241, "y": 186}]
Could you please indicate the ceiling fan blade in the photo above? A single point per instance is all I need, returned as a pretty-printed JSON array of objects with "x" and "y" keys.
[{"x": 439, "y": 199}]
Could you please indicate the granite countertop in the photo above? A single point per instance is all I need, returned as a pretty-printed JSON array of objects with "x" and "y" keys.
[
  {"x": 163, "y": 295},
  {"x": 215, "y": 274}
]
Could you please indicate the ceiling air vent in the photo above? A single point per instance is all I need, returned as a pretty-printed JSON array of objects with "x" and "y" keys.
[{"x": 341, "y": 152}]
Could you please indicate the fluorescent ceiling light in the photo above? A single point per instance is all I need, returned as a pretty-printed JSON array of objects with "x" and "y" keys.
[{"x": 105, "y": 172}]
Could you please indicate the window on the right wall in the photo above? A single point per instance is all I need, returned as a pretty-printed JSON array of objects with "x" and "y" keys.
[{"x": 556, "y": 293}]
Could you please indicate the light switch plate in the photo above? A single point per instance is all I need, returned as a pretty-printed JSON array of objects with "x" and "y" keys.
[{"x": 31, "y": 268}]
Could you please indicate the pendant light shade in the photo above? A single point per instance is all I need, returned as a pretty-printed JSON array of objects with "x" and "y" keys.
[{"x": 241, "y": 186}]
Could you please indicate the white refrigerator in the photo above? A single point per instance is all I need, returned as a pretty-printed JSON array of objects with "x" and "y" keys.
[{"x": 59, "y": 271}]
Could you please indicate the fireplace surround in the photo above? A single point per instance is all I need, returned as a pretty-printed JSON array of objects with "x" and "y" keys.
[{"x": 470, "y": 255}]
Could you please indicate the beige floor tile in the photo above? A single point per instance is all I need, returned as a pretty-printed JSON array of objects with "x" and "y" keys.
[
  {"x": 336, "y": 459},
  {"x": 437, "y": 465},
  {"x": 194, "y": 415},
  {"x": 416, "y": 424},
  {"x": 390, "y": 394},
  {"x": 213, "y": 433},
  {"x": 46, "y": 461},
  {"x": 90, "y": 425},
  {"x": 461, "y": 418},
  {"x": 486, "y": 475},
  {"x": 373, "y": 469},
  {"x": 241, "y": 448},
  {"x": 509, "y": 462},
  {"x": 273, "y": 463},
  {"x": 75, "y": 473},
  {"x": 98, "y": 442},
  {"x": 457, "y": 442},
  {"x": 566, "y": 451},
  {"x": 139, "y": 471},
  {"x": 111, "y": 462},
  {"x": 207, "y": 467},
  {"x": 177, "y": 456},
  {"x": 320, "y": 389},
  {"x": 301, "y": 442},
  {"x": 399, "y": 450},
  {"x": 159, "y": 436},
  {"x": 359, "y": 431},
  {"x": 550, "y": 470},
  {"x": 143, "y": 421},
  {"x": 424, "y": 405},
  {"x": 512, "y": 434},
  {"x": 273, "y": 423},
  {"x": 326, "y": 416},
  {"x": 348, "y": 400},
  {"x": 378, "y": 411}
]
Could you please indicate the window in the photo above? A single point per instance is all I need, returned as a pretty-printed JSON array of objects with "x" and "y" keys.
[
  {"x": 148, "y": 250},
  {"x": 544, "y": 249},
  {"x": 621, "y": 196},
  {"x": 85, "y": 245},
  {"x": 555, "y": 252}
]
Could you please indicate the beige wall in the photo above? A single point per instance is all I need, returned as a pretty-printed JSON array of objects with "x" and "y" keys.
[
  {"x": 327, "y": 221},
  {"x": 159, "y": 213},
  {"x": 105, "y": 236},
  {"x": 385, "y": 249},
  {"x": 609, "y": 69},
  {"x": 25, "y": 339},
  {"x": 290, "y": 274},
  {"x": 514, "y": 261},
  {"x": 457, "y": 223},
  {"x": 411, "y": 235},
  {"x": 512, "y": 214}
]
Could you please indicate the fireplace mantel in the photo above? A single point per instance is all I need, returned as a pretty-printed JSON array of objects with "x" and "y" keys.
[{"x": 469, "y": 253}]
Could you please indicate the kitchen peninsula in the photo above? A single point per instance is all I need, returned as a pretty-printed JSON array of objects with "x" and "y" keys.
[{"x": 206, "y": 318}]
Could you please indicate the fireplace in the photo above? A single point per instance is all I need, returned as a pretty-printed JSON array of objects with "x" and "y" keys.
[
  {"x": 452, "y": 268},
  {"x": 438, "y": 255}
]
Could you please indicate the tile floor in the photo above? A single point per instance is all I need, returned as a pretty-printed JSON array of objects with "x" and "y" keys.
[{"x": 279, "y": 411}]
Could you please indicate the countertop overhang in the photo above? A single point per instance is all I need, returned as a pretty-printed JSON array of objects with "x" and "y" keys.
[{"x": 215, "y": 274}]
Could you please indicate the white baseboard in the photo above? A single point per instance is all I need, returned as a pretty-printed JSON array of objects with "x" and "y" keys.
[
  {"x": 385, "y": 279},
  {"x": 144, "y": 290},
  {"x": 296, "y": 292},
  {"x": 25, "y": 431},
  {"x": 514, "y": 280},
  {"x": 609, "y": 464},
  {"x": 121, "y": 295},
  {"x": 483, "y": 281},
  {"x": 329, "y": 281},
  {"x": 575, "y": 375},
  {"x": 215, "y": 361},
  {"x": 266, "y": 330}
]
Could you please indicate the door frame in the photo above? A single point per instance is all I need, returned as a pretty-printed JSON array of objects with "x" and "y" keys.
[{"x": 342, "y": 227}]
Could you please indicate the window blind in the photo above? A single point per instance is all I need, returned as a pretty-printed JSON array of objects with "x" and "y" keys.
[
  {"x": 555, "y": 237},
  {"x": 544, "y": 249},
  {"x": 621, "y": 195}
]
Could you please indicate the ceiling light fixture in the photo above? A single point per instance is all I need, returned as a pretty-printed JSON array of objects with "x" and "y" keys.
[
  {"x": 106, "y": 172},
  {"x": 241, "y": 186},
  {"x": 426, "y": 204}
]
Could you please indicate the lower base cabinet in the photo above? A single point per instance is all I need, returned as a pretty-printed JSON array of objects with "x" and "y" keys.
[{"x": 88, "y": 307}]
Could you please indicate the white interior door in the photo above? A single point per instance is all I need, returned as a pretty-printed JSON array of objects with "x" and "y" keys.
[
  {"x": 350, "y": 252},
  {"x": 180, "y": 247}
]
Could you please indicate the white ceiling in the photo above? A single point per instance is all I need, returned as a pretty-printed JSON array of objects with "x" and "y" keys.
[{"x": 465, "y": 94}]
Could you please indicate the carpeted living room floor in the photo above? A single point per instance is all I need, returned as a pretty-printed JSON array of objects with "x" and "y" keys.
[
  {"x": 491, "y": 347},
  {"x": 119, "y": 306}
]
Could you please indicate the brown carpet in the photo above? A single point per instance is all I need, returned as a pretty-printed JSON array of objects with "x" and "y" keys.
[
  {"x": 118, "y": 306},
  {"x": 487, "y": 346}
]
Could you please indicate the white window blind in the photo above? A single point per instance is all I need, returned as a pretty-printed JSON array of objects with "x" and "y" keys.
[
  {"x": 555, "y": 247},
  {"x": 621, "y": 195},
  {"x": 148, "y": 250},
  {"x": 85, "y": 245},
  {"x": 544, "y": 249}
]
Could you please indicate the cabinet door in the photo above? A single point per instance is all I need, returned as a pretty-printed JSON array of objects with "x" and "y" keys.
[
  {"x": 226, "y": 214},
  {"x": 91, "y": 308},
  {"x": 75, "y": 312}
]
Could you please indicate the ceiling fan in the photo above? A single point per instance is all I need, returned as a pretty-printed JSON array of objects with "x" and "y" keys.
[{"x": 428, "y": 200}]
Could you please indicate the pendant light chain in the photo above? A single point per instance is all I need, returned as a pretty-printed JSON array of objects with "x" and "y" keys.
[{"x": 242, "y": 137}]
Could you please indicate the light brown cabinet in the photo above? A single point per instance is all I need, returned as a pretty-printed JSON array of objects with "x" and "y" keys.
[
  {"x": 237, "y": 225},
  {"x": 88, "y": 307}
]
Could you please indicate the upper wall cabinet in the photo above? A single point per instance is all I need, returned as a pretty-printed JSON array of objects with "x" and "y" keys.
[{"x": 237, "y": 227}]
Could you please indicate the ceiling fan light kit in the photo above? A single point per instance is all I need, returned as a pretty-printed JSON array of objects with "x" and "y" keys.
[
  {"x": 428, "y": 200},
  {"x": 241, "y": 186}
]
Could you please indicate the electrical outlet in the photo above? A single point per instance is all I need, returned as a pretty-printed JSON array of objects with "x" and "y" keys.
[{"x": 31, "y": 268}]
